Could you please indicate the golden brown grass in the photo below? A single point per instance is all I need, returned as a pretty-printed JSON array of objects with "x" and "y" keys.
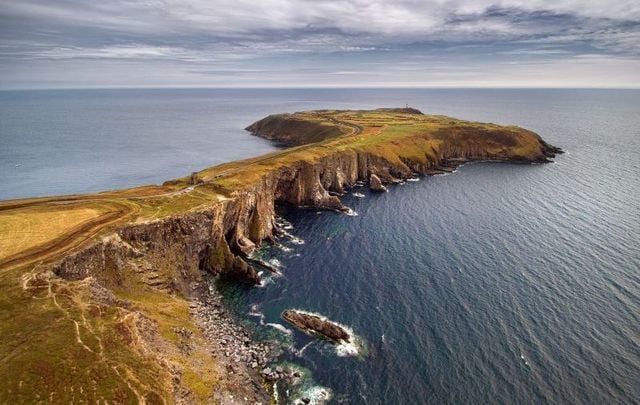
[
  {"x": 59, "y": 344},
  {"x": 29, "y": 228}
]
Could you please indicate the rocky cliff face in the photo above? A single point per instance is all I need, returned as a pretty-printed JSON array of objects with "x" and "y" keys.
[
  {"x": 173, "y": 254},
  {"x": 141, "y": 298},
  {"x": 175, "y": 251}
]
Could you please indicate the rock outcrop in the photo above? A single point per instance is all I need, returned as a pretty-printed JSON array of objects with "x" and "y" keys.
[
  {"x": 375, "y": 184},
  {"x": 216, "y": 238},
  {"x": 170, "y": 237},
  {"x": 316, "y": 325}
]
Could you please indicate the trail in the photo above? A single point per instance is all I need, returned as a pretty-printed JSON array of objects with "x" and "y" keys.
[
  {"x": 51, "y": 294},
  {"x": 66, "y": 241}
]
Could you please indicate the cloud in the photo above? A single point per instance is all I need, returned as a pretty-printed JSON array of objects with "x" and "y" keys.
[{"x": 272, "y": 36}]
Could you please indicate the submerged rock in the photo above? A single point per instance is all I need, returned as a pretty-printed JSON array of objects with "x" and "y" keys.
[
  {"x": 375, "y": 184},
  {"x": 316, "y": 325}
]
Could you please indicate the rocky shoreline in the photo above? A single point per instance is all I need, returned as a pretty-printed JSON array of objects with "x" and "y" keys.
[
  {"x": 240, "y": 355},
  {"x": 167, "y": 242},
  {"x": 250, "y": 364}
]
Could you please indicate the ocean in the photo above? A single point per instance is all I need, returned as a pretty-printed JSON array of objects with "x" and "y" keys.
[{"x": 498, "y": 283}]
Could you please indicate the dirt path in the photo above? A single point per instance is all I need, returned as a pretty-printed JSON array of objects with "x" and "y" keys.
[
  {"x": 65, "y": 242},
  {"x": 76, "y": 236}
]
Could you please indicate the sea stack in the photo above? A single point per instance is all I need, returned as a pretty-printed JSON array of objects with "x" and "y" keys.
[
  {"x": 375, "y": 184},
  {"x": 316, "y": 325}
]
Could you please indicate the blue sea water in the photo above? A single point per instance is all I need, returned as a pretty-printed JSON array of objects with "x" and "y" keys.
[{"x": 496, "y": 284}]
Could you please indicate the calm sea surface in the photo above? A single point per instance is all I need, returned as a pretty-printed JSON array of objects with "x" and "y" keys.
[{"x": 496, "y": 284}]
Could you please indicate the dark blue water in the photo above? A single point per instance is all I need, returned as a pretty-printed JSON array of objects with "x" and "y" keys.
[{"x": 496, "y": 284}]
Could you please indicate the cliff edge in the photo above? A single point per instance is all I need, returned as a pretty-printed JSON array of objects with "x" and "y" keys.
[{"x": 105, "y": 286}]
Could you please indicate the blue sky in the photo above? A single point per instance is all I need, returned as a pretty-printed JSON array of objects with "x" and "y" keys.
[{"x": 324, "y": 43}]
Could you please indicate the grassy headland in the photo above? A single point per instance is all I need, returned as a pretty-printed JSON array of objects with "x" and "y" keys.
[{"x": 96, "y": 288}]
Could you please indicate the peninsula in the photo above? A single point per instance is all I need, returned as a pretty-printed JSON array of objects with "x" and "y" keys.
[{"x": 104, "y": 295}]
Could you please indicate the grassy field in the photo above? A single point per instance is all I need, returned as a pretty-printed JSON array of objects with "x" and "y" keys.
[{"x": 67, "y": 341}]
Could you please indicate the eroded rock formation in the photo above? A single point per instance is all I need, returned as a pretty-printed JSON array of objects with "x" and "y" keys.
[
  {"x": 217, "y": 238},
  {"x": 316, "y": 325},
  {"x": 375, "y": 184}
]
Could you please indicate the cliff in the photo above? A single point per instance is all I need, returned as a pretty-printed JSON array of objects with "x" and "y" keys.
[{"x": 113, "y": 275}]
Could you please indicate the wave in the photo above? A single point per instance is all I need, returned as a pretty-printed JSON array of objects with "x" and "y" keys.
[
  {"x": 446, "y": 173},
  {"x": 300, "y": 352},
  {"x": 349, "y": 349},
  {"x": 297, "y": 241},
  {"x": 351, "y": 213},
  {"x": 275, "y": 263},
  {"x": 281, "y": 328},
  {"x": 359, "y": 195},
  {"x": 283, "y": 223},
  {"x": 292, "y": 238},
  {"x": 284, "y": 248}
]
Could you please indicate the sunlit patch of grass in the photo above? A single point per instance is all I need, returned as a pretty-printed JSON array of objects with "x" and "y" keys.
[
  {"x": 28, "y": 228},
  {"x": 61, "y": 345}
]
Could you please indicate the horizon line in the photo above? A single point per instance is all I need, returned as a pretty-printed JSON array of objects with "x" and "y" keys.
[{"x": 312, "y": 87}]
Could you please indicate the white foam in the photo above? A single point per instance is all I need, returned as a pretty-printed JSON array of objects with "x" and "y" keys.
[
  {"x": 294, "y": 239},
  {"x": 287, "y": 234},
  {"x": 300, "y": 352},
  {"x": 255, "y": 311},
  {"x": 414, "y": 179},
  {"x": 351, "y": 213},
  {"x": 317, "y": 395},
  {"x": 275, "y": 263},
  {"x": 359, "y": 195},
  {"x": 281, "y": 328},
  {"x": 266, "y": 281},
  {"x": 348, "y": 349}
]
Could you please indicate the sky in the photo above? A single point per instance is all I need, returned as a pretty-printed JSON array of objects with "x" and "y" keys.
[{"x": 319, "y": 43}]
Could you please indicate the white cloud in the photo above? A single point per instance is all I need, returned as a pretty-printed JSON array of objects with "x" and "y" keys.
[
  {"x": 384, "y": 17},
  {"x": 182, "y": 41}
]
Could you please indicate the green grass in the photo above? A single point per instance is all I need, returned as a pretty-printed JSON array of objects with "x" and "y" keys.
[{"x": 42, "y": 358}]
